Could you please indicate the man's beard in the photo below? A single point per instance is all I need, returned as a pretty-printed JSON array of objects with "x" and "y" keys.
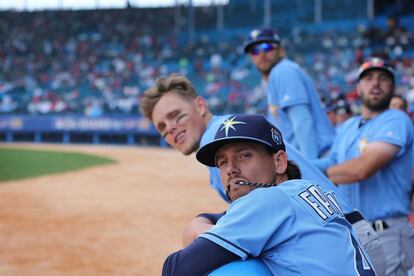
[{"x": 377, "y": 105}]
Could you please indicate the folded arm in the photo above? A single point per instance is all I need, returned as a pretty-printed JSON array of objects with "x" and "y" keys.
[
  {"x": 375, "y": 156},
  {"x": 199, "y": 258}
]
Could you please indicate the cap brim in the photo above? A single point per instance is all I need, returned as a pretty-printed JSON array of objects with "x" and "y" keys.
[
  {"x": 363, "y": 73},
  {"x": 207, "y": 154}
]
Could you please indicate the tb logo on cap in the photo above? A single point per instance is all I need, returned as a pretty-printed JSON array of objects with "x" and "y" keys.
[{"x": 229, "y": 123}]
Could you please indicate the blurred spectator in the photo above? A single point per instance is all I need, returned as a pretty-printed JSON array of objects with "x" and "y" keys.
[
  {"x": 330, "y": 112},
  {"x": 342, "y": 112},
  {"x": 398, "y": 102},
  {"x": 7, "y": 105}
]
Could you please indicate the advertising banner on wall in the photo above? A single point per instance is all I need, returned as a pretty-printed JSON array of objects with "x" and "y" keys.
[{"x": 116, "y": 124}]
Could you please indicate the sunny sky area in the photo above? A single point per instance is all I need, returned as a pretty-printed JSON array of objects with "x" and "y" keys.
[{"x": 89, "y": 4}]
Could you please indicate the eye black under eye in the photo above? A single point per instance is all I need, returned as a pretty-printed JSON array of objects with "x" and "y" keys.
[{"x": 181, "y": 116}]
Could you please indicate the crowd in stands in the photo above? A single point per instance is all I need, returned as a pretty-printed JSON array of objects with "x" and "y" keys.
[{"x": 99, "y": 62}]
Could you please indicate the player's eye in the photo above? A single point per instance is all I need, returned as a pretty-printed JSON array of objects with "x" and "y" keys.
[
  {"x": 221, "y": 163},
  {"x": 173, "y": 115},
  {"x": 385, "y": 78},
  {"x": 244, "y": 155},
  {"x": 161, "y": 130},
  {"x": 368, "y": 77}
]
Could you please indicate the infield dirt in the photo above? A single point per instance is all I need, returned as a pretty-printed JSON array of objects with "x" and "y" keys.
[{"x": 121, "y": 219}]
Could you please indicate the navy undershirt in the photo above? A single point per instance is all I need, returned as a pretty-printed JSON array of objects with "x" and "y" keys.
[{"x": 199, "y": 258}]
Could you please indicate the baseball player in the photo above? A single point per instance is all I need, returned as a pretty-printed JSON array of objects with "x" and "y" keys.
[
  {"x": 185, "y": 122},
  {"x": 293, "y": 103},
  {"x": 371, "y": 161},
  {"x": 307, "y": 233}
]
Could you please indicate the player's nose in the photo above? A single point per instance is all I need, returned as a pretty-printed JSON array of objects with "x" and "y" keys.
[
  {"x": 375, "y": 81},
  {"x": 170, "y": 127},
  {"x": 262, "y": 54},
  {"x": 232, "y": 168}
]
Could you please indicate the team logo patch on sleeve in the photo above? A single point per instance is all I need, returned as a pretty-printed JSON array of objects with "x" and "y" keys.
[
  {"x": 390, "y": 133},
  {"x": 363, "y": 143}
]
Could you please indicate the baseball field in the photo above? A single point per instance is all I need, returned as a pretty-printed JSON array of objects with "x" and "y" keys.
[{"x": 117, "y": 210}]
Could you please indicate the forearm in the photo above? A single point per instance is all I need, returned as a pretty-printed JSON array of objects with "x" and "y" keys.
[
  {"x": 348, "y": 172},
  {"x": 373, "y": 159},
  {"x": 199, "y": 258}
]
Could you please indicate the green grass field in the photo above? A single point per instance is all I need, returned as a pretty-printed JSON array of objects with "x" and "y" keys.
[{"x": 25, "y": 163}]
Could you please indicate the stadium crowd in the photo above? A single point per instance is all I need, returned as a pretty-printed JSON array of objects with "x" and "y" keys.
[{"x": 98, "y": 62}]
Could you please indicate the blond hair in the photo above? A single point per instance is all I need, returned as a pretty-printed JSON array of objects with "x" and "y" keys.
[{"x": 174, "y": 83}]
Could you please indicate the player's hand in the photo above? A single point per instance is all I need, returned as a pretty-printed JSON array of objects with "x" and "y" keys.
[{"x": 196, "y": 227}]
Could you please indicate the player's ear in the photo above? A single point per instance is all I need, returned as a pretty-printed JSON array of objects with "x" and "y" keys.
[
  {"x": 280, "y": 160},
  {"x": 281, "y": 52},
  {"x": 201, "y": 104}
]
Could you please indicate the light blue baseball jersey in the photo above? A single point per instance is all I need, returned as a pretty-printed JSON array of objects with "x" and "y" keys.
[
  {"x": 309, "y": 171},
  {"x": 290, "y": 86},
  {"x": 386, "y": 193},
  {"x": 307, "y": 232},
  {"x": 208, "y": 136}
]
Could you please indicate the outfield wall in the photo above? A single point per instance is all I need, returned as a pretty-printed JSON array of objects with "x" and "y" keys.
[{"x": 78, "y": 129}]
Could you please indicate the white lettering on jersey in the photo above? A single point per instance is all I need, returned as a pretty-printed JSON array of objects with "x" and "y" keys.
[
  {"x": 321, "y": 197},
  {"x": 334, "y": 203},
  {"x": 316, "y": 198},
  {"x": 306, "y": 197}
]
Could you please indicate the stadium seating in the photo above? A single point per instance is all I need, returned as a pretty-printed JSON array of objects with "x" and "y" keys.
[{"x": 98, "y": 62}]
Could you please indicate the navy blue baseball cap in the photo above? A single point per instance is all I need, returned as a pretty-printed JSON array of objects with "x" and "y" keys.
[
  {"x": 261, "y": 35},
  {"x": 241, "y": 128},
  {"x": 376, "y": 63}
]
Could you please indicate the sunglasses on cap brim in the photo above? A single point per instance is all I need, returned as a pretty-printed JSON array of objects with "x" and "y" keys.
[{"x": 262, "y": 47}]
